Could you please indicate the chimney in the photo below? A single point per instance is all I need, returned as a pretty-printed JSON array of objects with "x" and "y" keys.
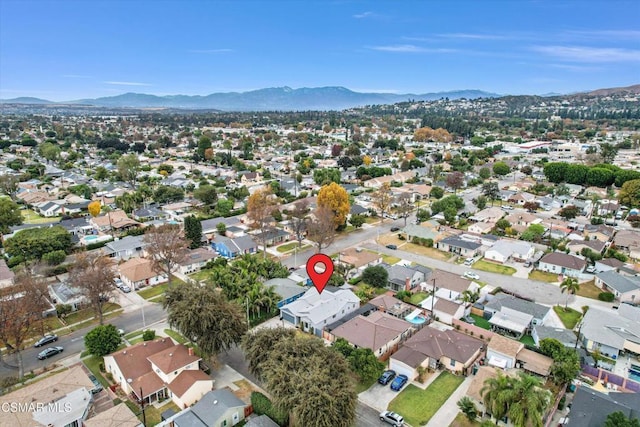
[
  {"x": 407, "y": 284},
  {"x": 190, "y": 351}
]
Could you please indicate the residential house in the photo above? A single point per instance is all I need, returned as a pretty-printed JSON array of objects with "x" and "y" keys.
[
  {"x": 195, "y": 259},
  {"x": 313, "y": 311},
  {"x": 489, "y": 215},
  {"x": 514, "y": 315},
  {"x": 625, "y": 288},
  {"x": 250, "y": 178},
  {"x": 434, "y": 348},
  {"x": 611, "y": 331},
  {"x": 452, "y": 284},
  {"x": 149, "y": 213},
  {"x": 177, "y": 211},
  {"x": 561, "y": 263},
  {"x": 114, "y": 220},
  {"x": 628, "y": 241},
  {"x": 118, "y": 416},
  {"x": 273, "y": 236},
  {"x": 600, "y": 232},
  {"x": 6, "y": 275},
  {"x": 415, "y": 231},
  {"x": 357, "y": 209},
  {"x": 521, "y": 198},
  {"x": 380, "y": 332},
  {"x": 216, "y": 408},
  {"x": 510, "y": 322},
  {"x": 210, "y": 226},
  {"x": 590, "y": 408},
  {"x": 289, "y": 290},
  {"x": 506, "y": 249},
  {"x": 595, "y": 245},
  {"x": 261, "y": 421},
  {"x": 405, "y": 278},
  {"x": 481, "y": 227},
  {"x": 564, "y": 336},
  {"x": 154, "y": 370},
  {"x": 392, "y": 306},
  {"x": 49, "y": 209},
  {"x": 477, "y": 384},
  {"x": 76, "y": 226},
  {"x": 502, "y": 352},
  {"x": 125, "y": 248},
  {"x": 63, "y": 293},
  {"x": 442, "y": 308},
  {"x": 359, "y": 260},
  {"x": 138, "y": 273},
  {"x": 607, "y": 264},
  {"x": 234, "y": 247},
  {"x": 459, "y": 246},
  {"x": 68, "y": 389}
]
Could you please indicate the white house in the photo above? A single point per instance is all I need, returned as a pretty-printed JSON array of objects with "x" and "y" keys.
[
  {"x": 138, "y": 273},
  {"x": 561, "y": 263},
  {"x": 504, "y": 249}
]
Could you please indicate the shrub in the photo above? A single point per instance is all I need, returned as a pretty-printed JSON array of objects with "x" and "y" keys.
[
  {"x": 606, "y": 296},
  {"x": 97, "y": 245},
  {"x": 54, "y": 257},
  {"x": 263, "y": 406},
  {"x": 61, "y": 269},
  {"x": 148, "y": 335},
  {"x": 429, "y": 243},
  {"x": 63, "y": 309}
]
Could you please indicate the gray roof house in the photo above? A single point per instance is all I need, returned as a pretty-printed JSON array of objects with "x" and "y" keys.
[
  {"x": 512, "y": 311},
  {"x": 611, "y": 331},
  {"x": 591, "y": 408},
  {"x": 565, "y": 336},
  {"x": 216, "y": 408},
  {"x": 261, "y": 421},
  {"x": 289, "y": 290},
  {"x": 459, "y": 246},
  {"x": 125, "y": 248},
  {"x": 625, "y": 288},
  {"x": 405, "y": 278},
  {"x": 62, "y": 293},
  {"x": 561, "y": 263},
  {"x": 313, "y": 311}
]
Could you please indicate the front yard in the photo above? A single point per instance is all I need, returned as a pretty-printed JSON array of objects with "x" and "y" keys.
[
  {"x": 31, "y": 217},
  {"x": 481, "y": 322},
  {"x": 288, "y": 247},
  {"x": 494, "y": 268},
  {"x": 88, "y": 313},
  {"x": 153, "y": 291},
  {"x": 569, "y": 317},
  {"x": 417, "y": 406},
  {"x": 589, "y": 290},
  {"x": 543, "y": 276}
]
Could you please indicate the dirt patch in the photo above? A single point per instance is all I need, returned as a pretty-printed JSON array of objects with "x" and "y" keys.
[{"x": 244, "y": 390}]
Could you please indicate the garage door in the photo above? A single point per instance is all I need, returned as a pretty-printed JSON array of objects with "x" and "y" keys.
[{"x": 401, "y": 368}]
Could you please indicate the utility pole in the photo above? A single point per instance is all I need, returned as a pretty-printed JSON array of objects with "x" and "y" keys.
[
  {"x": 144, "y": 416},
  {"x": 433, "y": 298}
]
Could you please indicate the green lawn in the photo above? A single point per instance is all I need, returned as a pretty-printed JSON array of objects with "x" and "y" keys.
[
  {"x": 417, "y": 406},
  {"x": 153, "y": 291},
  {"x": 494, "y": 268},
  {"x": 88, "y": 313},
  {"x": 418, "y": 297},
  {"x": 30, "y": 217},
  {"x": 481, "y": 322},
  {"x": 200, "y": 275},
  {"x": 569, "y": 317},
  {"x": 287, "y": 247},
  {"x": 176, "y": 336},
  {"x": 543, "y": 276},
  {"x": 93, "y": 364},
  {"x": 528, "y": 340},
  {"x": 133, "y": 334},
  {"x": 389, "y": 259}
]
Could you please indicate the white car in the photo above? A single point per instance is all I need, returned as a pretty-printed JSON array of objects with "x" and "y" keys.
[
  {"x": 392, "y": 418},
  {"x": 471, "y": 275}
]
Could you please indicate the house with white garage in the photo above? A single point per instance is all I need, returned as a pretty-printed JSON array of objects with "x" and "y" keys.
[
  {"x": 502, "y": 351},
  {"x": 459, "y": 246},
  {"x": 561, "y": 263},
  {"x": 313, "y": 311},
  {"x": 435, "y": 349},
  {"x": 625, "y": 288},
  {"x": 505, "y": 249},
  {"x": 139, "y": 272},
  {"x": 611, "y": 331},
  {"x": 481, "y": 227}
]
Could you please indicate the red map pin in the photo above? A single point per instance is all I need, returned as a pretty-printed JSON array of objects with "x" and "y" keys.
[{"x": 321, "y": 278}]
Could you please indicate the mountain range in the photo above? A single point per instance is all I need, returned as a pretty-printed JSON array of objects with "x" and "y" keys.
[{"x": 269, "y": 99}]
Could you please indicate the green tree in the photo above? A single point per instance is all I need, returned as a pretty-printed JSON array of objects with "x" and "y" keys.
[
  {"x": 33, "y": 243},
  {"x": 221, "y": 228},
  {"x": 484, "y": 173},
  {"x": 166, "y": 194},
  {"x": 468, "y": 408},
  {"x": 491, "y": 191},
  {"x": 102, "y": 340},
  {"x": 193, "y": 231},
  {"x": 619, "y": 419},
  {"x": 600, "y": 177},
  {"x": 480, "y": 202},
  {"x": 555, "y": 172},
  {"x": 204, "y": 143},
  {"x": 326, "y": 176},
  {"x": 569, "y": 212},
  {"x": 365, "y": 364},
  {"x": 528, "y": 401},
  {"x": 9, "y": 185},
  {"x": 376, "y": 276},
  {"x": 608, "y": 152},
  {"x": 50, "y": 151},
  {"x": 357, "y": 220},
  {"x": 533, "y": 233},
  {"x": 436, "y": 193},
  {"x": 629, "y": 194},
  {"x": 9, "y": 215},
  {"x": 203, "y": 315},
  {"x": 207, "y": 194},
  {"x": 501, "y": 168},
  {"x": 128, "y": 169},
  {"x": 569, "y": 285}
]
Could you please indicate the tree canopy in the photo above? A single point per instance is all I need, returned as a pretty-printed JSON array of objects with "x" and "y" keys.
[
  {"x": 102, "y": 340},
  {"x": 335, "y": 198},
  {"x": 33, "y": 243},
  {"x": 9, "y": 215}
]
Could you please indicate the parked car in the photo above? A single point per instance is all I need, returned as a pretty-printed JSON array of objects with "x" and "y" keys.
[
  {"x": 392, "y": 247},
  {"x": 119, "y": 283},
  {"x": 469, "y": 320},
  {"x": 386, "y": 377},
  {"x": 527, "y": 264},
  {"x": 399, "y": 382},
  {"x": 125, "y": 288},
  {"x": 507, "y": 208},
  {"x": 97, "y": 387},
  {"x": 395, "y": 228},
  {"x": 121, "y": 332},
  {"x": 51, "y": 351},
  {"x": 468, "y": 261},
  {"x": 471, "y": 275},
  {"x": 392, "y": 418},
  {"x": 47, "y": 339}
]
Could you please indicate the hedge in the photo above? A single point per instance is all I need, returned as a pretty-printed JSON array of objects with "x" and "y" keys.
[
  {"x": 263, "y": 406},
  {"x": 606, "y": 296}
]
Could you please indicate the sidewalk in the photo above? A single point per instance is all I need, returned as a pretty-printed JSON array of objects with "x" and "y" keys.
[{"x": 448, "y": 412}]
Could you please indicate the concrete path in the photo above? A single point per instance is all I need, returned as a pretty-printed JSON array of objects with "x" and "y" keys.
[{"x": 447, "y": 412}]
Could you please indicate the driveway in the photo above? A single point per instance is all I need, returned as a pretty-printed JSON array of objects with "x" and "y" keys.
[{"x": 378, "y": 396}]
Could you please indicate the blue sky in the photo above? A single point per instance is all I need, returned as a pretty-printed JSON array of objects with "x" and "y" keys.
[{"x": 72, "y": 49}]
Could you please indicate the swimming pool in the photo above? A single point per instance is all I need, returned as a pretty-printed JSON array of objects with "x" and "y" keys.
[
  {"x": 634, "y": 376},
  {"x": 416, "y": 318},
  {"x": 90, "y": 238}
]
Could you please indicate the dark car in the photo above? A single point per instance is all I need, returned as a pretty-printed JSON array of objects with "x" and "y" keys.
[
  {"x": 386, "y": 377},
  {"x": 51, "y": 351},
  {"x": 395, "y": 228},
  {"x": 392, "y": 247},
  {"x": 47, "y": 339},
  {"x": 399, "y": 382},
  {"x": 97, "y": 387}
]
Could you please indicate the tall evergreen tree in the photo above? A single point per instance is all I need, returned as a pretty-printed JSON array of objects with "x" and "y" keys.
[{"x": 193, "y": 231}]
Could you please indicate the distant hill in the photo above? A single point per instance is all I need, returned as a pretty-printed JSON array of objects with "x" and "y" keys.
[
  {"x": 279, "y": 99},
  {"x": 25, "y": 100},
  {"x": 629, "y": 90}
]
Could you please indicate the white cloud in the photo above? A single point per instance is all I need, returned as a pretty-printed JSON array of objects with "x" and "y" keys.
[
  {"x": 578, "y": 68},
  {"x": 210, "y": 51},
  {"x": 119, "y": 83},
  {"x": 363, "y": 15},
  {"x": 607, "y": 34},
  {"x": 470, "y": 36},
  {"x": 589, "y": 54},
  {"x": 410, "y": 48}
]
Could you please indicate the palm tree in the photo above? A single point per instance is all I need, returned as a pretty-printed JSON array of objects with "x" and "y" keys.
[
  {"x": 529, "y": 401},
  {"x": 569, "y": 285},
  {"x": 495, "y": 395},
  {"x": 468, "y": 408},
  {"x": 471, "y": 296}
]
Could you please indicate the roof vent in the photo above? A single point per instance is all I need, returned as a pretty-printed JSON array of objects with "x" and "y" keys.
[
  {"x": 215, "y": 402},
  {"x": 124, "y": 352},
  {"x": 170, "y": 354}
]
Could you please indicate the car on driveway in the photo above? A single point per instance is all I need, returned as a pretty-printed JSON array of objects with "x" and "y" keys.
[
  {"x": 392, "y": 247},
  {"x": 469, "y": 261},
  {"x": 471, "y": 275},
  {"x": 125, "y": 288},
  {"x": 97, "y": 387},
  {"x": 51, "y": 351},
  {"x": 47, "y": 339},
  {"x": 395, "y": 228},
  {"x": 469, "y": 320},
  {"x": 386, "y": 377},
  {"x": 399, "y": 382},
  {"x": 392, "y": 418}
]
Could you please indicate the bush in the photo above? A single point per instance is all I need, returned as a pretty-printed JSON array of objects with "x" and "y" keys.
[
  {"x": 54, "y": 257},
  {"x": 97, "y": 245},
  {"x": 148, "y": 335},
  {"x": 263, "y": 406},
  {"x": 15, "y": 260},
  {"x": 61, "y": 269},
  {"x": 429, "y": 243},
  {"x": 606, "y": 296},
  {"x": 63, "y": 309}
]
